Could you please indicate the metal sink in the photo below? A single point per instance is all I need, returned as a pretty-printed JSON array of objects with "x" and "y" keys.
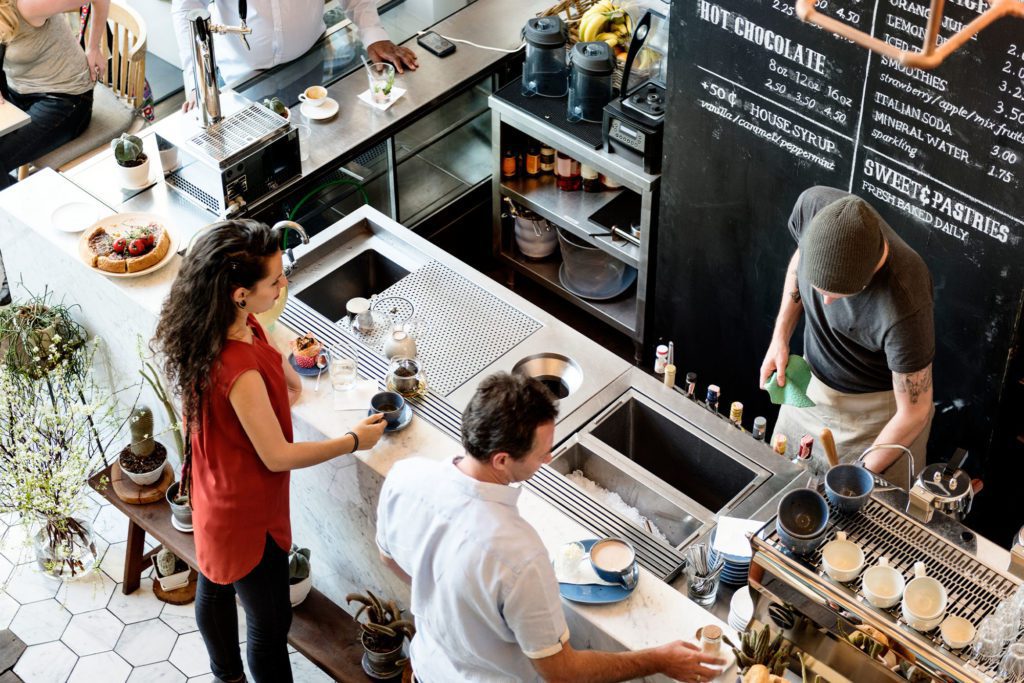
[
  {"x": 643, "y": 431},
  {"x": 365, "y": 274}
]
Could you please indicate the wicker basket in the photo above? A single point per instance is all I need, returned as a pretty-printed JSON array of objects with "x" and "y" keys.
[{"x": 571, "y": 11}]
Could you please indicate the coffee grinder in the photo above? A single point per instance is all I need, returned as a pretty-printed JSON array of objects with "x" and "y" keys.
[{"x": 633, "y": 125}]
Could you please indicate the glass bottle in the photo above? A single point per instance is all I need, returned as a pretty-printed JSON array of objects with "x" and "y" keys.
[
  {"x": 547, "y": 159},
  {"x": 567, "y": 172},
  {"x": 691, "y": 385},
  {"x": 591, "y": 182},
  {"x": 712, "y": 398},
  {"x": 509, "y": 163},
  {"x": 759, "y": 427},
  {"x": 609, "y": 183},
  {"x": 532, "y": 165}
]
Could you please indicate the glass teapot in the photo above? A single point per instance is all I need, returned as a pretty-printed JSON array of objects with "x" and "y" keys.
[{"x": 406, "y": 376}]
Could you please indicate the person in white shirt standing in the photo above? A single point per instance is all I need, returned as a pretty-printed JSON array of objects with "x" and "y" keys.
[
  {"x": 282, "y": 30},
  {"x": 484, "y": 593}
]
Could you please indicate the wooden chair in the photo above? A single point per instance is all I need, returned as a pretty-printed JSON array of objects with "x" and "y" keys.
[{"x": 117, "y": 96}]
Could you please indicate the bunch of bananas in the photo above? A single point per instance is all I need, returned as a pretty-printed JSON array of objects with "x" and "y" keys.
[{"x": 607, "y": 22}]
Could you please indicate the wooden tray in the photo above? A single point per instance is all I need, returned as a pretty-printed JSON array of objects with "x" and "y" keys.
[
  {"x": 130, "y": 492},
  {"x": 178, "y": 596}
]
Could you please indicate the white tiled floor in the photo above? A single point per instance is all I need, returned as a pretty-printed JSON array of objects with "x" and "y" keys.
[{"x": 87, "y": 630}]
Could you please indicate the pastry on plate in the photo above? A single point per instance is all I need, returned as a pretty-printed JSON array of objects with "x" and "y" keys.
[
  {"x": 306, "y": 348},
  {"x": 129, "y": 247}
]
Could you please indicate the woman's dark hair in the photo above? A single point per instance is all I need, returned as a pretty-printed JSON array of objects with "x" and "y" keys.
[
  {"x": 503, "y": 415},
  {"x": 199, "y": 310}
]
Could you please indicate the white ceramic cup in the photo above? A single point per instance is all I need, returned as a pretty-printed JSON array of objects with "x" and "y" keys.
[
  {"x": 883, "y": 585},
  {"x": 924, "y": 600},
  {"x": 957, "y": 632},
  {"x": 843, "y": 559},
  {"x": 314, "y": 95}
]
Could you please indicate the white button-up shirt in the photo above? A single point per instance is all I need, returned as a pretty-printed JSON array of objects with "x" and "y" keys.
[
  {"x": 282, "y": 30},
  {"x": 484, "y": 593}
]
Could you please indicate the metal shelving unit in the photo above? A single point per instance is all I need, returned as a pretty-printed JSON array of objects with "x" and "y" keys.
[{"x": 572, "y": 211}]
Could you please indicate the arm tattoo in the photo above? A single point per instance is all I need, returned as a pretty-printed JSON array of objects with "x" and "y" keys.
[
  {"x": 795, "y": 294},
  {"x": 915, "y": 383}
]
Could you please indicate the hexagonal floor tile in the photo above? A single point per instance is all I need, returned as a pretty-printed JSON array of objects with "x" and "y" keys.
[
  {"x": 112, "y": 562},
  {"x": 27, "y": 584},
  {"x": 40, "y": 622},
  {"x": 92, "y": 632},
  {"x": 8, "y": 608},
  {"x": 147, "y": 642},
  {"x": 162, "y": 672},
  {"x": 111, "y": 524},
  {"x": 86, "y": 593},
  {"x": 46, "y": 663},
  {"x": 6, "y": 567},
  {"x": 189, "y": 655},
  {"x": 106, "y": 667},
  {"x": 182, "y": 618},
  {"x": 137, "y": 606},
  {"x": 16, "y": 545},
  {"x": 306, "y": 671}
]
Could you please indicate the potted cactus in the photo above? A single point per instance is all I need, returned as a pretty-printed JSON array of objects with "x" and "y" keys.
[
  {"x": 171, "y": 570},
  {"x": 132, "y": 161},
  {"x": 383, "y": 633},
  {"x": 275, "y": 105},
  {"x": 143, "y": 459},
  {"x": 299, "y": 581}
]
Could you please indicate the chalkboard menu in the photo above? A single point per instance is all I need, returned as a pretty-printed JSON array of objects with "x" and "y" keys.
[{"x": 763, "y": 105}]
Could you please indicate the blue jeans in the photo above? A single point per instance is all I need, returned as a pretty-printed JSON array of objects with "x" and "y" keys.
[
  {"x": 56, "y": 120},
  {"x": 268, "y": 614}
]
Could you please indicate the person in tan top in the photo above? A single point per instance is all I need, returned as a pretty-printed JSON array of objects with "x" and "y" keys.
[{"x": 47, "y": 75}]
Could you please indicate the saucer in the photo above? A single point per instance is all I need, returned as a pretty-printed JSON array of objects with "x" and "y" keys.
[
  {"x": 306, "y": 372},
  {"x": 179, "y": 526},
  {"x": 325, "y": 111},
  {"x": 596, "y": 594},
  {"x": 75, "y": 216},
  {"x": 404, "y": 418}
]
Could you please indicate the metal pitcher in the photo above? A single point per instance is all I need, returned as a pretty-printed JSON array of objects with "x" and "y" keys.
[{"x": 944, "y": 487}]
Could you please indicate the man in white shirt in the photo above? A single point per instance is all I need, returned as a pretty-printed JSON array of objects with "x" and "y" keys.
[
  {"x": 282, "y": 30},
  {"x": 484, "y": 593}
]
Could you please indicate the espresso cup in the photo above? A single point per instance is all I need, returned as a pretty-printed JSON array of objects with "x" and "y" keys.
[
  {"x": 924, "y": 601},
  {"x": 843, "y": 560},
  {"x": 882, "y": 585},
  {"x": 314, "y": 95},
  {"x": 390, "y": 404},
  {"x": 614, "y": 559}
]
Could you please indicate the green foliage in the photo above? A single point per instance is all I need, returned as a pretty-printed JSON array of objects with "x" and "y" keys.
[
  {"x": 275, "y": 105},
  {"x": 141, "y": 424},
  {"x": 298, "y": 564},
  {"x": 39, "y": 336},
  {"x": 127, "y": 149},
  {"x": 382, "y": 621}
]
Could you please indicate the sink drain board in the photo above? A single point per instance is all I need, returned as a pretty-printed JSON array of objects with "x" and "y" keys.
[
  {"x": 658, "y": 558},
  {"x": 469, "y": 328}
]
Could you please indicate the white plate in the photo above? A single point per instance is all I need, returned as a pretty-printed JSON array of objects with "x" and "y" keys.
[
  {"x": 75, "y": 216},
  {"x": 325, "y": 111},
  {"x": 116, "y": 220}
]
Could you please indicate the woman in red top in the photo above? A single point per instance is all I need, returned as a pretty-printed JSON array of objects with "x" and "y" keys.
[{"x": 236, "y": 392}]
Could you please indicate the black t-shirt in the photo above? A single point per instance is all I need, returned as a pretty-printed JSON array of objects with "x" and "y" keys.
[{"x": 856, "y": 343}]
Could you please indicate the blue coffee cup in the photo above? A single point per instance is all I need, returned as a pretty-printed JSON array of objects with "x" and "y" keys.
[
  {"x": 389, "y": 404},
  {"x": 802, "y": 520},
  {"x": 849, "y": 487},
  {"x": 614, "y": 560}
]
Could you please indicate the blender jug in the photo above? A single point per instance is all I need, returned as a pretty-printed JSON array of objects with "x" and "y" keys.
[
  {"x": 544, "y": 71},
  {"x": 590, "y": 81}
]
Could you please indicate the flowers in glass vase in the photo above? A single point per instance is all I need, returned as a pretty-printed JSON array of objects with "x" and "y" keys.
[{"x": 55, "y": 431}]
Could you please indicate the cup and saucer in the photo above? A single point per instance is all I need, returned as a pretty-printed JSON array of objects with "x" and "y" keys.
[
  {"x": 605, "y": 572},
  {"x": 316, "y": 105},
  {"x": 395, "y": 408}
]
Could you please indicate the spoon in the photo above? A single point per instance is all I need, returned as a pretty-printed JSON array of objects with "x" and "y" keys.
[{"x": 321, "y": 362}]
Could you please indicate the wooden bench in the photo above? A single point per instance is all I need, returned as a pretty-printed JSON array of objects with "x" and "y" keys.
[{"x": 321, "y": 630}]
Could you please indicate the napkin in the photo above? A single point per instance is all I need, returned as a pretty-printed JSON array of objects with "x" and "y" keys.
[
  {"x": 356, "y": 398},
  {"x": 581, "y": 572},
  {"x": 794, "y": 393},
  {"x": 367, "y": 97},
  {"x": 731, "y": 535}
]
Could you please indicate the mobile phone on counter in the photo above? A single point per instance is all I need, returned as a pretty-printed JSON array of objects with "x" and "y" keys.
[{"x": 432, "y": 42}]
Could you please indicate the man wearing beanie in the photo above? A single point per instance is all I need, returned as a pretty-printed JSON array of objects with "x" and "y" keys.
[{"x": 869, "y": 337}]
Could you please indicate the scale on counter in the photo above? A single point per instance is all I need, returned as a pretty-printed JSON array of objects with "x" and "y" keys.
[{"x": 633, "y": 125}]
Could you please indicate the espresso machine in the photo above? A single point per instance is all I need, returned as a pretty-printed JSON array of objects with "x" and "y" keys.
[
  {"x": 231, "y": 152},
  {"x": 633, "y": 125}
]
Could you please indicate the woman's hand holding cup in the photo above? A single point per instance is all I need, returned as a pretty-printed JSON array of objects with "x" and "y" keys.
[{"x": 369, "y": 430}]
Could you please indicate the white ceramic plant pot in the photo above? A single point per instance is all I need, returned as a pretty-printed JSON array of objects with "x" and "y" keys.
[
  {"x": 134, "y": 176},
  {"x": 172, "y": 581},
  {"x": 299, "y": 591},
  {"x": 146, "y": 478},
  {"x": 168, "y": 159}
]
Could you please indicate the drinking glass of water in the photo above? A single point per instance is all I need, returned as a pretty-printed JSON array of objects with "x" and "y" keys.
[{"x": 342, "y": 370}]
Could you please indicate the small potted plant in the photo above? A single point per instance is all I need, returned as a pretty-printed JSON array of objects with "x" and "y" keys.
[
  {"x": 38, "y": 336},
  {"x": 132, "y": 161},
  {"x": 181, "y": 511},
  {"x": 275, "y": 105},
  {"x": 143, "y": 459},
  {"x": 299, "y": 581},
  {"x": 383, "y": 634},
  {"x": 171, "y": 570}
]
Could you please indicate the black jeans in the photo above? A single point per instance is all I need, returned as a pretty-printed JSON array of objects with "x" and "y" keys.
[
  {"x": 268, "y": 615},
  {"x": 56, "y": 120}
]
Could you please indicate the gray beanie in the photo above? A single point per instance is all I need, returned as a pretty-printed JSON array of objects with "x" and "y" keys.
[{"x": 842, "y": 245}]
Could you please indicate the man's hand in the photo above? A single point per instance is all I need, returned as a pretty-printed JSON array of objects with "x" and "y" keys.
[
  {"x": 97, "y": 63},
  {"x": 386, "y": 51},
  {"x": 189, "y": 102},
  {"x": 776, "y": 359},
  {"x": 686, "y": 662}
]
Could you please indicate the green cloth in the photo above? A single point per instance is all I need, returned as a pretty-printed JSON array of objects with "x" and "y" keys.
[{"x": 794, "y": 393}]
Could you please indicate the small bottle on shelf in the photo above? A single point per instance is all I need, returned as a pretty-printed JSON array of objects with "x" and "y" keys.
[
  {"x": 532, "y": 165},
  {"x": 736, "y": 413},
  {"x": 567, "y": 172},
  {"x": 660, "y": 359},
  {"x": 591, "y": 182},
  {"x": 691, "y": 385},
  {"x": 609, "y": 183},
  {"x": 759, "y": 426},
  {"x": 781, "y": 444},
  {"x": 714, "y": 391},
  {"x": 806, "y": 449},
  {"x": 509, "y": 163},
  {"x": 670, "y": 375},
  {"x": 547, "y": 159}
]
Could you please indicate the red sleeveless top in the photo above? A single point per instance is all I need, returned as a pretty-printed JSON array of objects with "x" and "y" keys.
[{"x": 236, "y": 500}]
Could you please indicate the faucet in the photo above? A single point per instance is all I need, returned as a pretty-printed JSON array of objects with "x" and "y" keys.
[{"x": 284, "y": 227}]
